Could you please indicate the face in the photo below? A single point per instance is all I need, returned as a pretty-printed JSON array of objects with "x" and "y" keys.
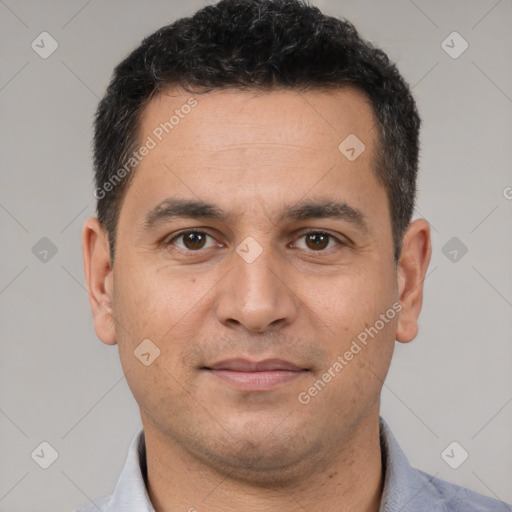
[{"x": 257, "y": 258}]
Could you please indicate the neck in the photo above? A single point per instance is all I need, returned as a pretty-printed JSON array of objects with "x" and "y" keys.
[{"x": 348, "y": 481}]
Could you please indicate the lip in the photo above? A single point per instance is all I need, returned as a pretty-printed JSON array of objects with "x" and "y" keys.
[
  {"x": 256, "y": 375},
  {"x": 245, "y": 365}
]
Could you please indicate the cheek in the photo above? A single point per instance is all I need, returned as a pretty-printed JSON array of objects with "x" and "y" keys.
[
  {"x": 353, "y": 301},
  {"x": 151, "y": 325},
  {"x": 360, "y": 319},
  {"x": 161, "y": 306},
  {"x": 151, "y": 301}
]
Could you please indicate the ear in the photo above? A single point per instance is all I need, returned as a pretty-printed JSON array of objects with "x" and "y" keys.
[
  {"x": 99, "y": 279},
  {"x": 412, "y": 268}
]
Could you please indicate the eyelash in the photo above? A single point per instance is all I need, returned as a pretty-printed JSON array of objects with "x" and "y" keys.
[{"x": 303, "y": 234}]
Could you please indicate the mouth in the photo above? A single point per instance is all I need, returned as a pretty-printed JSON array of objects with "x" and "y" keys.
[{"x": 255, "y": 375}]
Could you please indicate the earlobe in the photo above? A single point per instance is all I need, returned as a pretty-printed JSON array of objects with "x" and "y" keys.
[
  {"x": 412, "y": 268},
  {"x": 99, "y": 279}
]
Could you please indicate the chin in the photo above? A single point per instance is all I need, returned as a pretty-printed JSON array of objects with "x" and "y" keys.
[{"x": 264, "y": 458}]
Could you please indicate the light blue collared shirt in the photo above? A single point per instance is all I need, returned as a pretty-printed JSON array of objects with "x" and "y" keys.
[{"x": 405, "y": 489}]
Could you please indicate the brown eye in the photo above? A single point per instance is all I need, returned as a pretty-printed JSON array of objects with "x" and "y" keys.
[
  {"x": 192, "y": 241},
  {"x": 317, "y": 241}
]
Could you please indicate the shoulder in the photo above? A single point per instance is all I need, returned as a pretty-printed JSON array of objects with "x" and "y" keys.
[
  {"x": 407, "y": 489},
  {"x": 444, "y": 496}
]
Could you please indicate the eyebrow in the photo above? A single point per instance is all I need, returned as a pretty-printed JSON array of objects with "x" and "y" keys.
[
  {"x": 183, "y": 208},
  {"x": 171, "y": 208},
  {"x": 326, "y": 209}
]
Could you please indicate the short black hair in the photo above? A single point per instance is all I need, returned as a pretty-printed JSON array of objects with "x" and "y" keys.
[{"x": 260, "y": 45}]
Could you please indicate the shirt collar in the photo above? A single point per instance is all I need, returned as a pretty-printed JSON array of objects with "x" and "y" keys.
[
  {"x": 130, "y": 493},
  {"x": 402, "y": 484}
]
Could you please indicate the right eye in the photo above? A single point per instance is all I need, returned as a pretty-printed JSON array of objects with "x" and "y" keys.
[{"x": 191, "y": 240}]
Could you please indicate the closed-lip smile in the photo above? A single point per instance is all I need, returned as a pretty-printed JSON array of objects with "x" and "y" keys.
[{"x": 255, "y": 375}]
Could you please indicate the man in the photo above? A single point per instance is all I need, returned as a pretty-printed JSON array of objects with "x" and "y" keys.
[{"x": 255, "y": 261}]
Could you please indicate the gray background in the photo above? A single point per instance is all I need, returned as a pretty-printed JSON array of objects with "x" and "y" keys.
[{"x": 59, "y": 384}]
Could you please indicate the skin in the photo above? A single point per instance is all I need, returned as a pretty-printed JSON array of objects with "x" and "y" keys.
[{"x": 210, "y": 444}]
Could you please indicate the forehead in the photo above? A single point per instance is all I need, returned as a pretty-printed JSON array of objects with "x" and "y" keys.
[
  {"x": 229, "y": 118},
  {"x": 240, "y": 148}
]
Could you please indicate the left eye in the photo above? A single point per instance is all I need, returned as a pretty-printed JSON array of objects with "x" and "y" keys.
[{"x": 317, "y": 241}]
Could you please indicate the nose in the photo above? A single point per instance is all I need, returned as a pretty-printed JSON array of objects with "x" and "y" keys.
[{"x": 256, "y": 295}]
